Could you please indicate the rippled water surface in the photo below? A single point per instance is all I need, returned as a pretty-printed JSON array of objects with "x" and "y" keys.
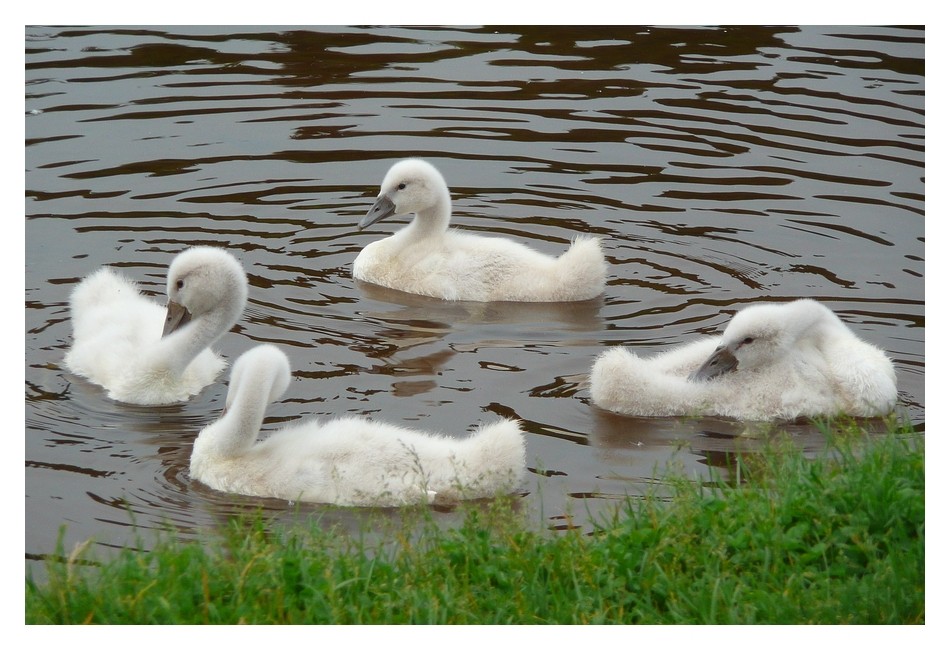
[{"x": 720, "y": 166}]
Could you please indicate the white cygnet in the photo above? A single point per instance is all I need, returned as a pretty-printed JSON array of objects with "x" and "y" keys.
[
  {"x": 142, "y": 353},
  {"x": 773, "y": 362},
  {"x": 431, "y": 259},
  {"x": 347, "y": 461}
]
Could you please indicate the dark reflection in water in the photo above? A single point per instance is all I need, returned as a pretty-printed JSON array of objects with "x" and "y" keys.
[{"x": 721, "y": 166}]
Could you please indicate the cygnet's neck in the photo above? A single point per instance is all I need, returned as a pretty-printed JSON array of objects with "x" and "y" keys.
[
  {"x": 178, "y": 349},
  {"x": 237, "y": 429},
  {"x": 433, "y": 220},
  {"x": 816, "y": 325}
]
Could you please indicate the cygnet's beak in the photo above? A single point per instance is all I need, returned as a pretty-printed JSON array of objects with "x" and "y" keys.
[
  {"x": 719, "y": 363},
  {"x": 384, "y": 207},
  {"x": 175, "y": 317}
]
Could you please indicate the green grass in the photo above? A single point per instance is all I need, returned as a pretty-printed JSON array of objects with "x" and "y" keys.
[{"x": 839, "y": 539}]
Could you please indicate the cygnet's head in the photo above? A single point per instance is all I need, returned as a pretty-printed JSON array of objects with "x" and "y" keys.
[
  {"x": 410, "y": 187},
  {"x": 204, "y": 280},
  {"x": 759, "y": 335},
  {"x": 266, "y": 364}
]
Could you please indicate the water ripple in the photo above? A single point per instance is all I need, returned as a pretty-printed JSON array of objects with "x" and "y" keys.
[{"x": 720, "y": 167}]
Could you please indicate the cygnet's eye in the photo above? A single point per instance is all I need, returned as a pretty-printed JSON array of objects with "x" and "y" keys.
[
  {"x": 180, "y": 284},
  {"x": 747, "y": 340},
  {"x": 402, "y": 186}
]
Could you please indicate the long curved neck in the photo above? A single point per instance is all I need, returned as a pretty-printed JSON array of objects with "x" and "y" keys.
[
  {"x": 815, "y": 324},
  {"x": 237, "y": 430},
  {"x": 433, "y": 220},
  {"x": 180, "y": 348}
]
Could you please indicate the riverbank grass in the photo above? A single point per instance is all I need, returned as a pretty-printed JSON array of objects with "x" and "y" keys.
[{"x": 838, "y": 539}]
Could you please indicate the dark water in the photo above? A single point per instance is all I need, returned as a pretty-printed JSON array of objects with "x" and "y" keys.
[{"x": 721, "y": 167}]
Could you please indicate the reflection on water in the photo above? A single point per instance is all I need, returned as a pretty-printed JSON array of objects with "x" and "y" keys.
[{"x": 721, "y": 166}]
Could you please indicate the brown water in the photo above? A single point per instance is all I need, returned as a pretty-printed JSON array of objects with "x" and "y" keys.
[{"x": 721, "y": 167}]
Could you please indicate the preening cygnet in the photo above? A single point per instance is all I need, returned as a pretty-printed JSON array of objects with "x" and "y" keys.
[
  {"x": 143, "y": 353},
  {"x": 773, "y": 361},
  {"x": 429, "y": 258},
  {"x": 348, "y": 461}
]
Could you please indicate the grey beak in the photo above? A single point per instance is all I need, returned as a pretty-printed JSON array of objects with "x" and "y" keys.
[
  {"x": 719, "y": 363},
  {"x": 176, "y": 316},
  {"x": 384, "y": 207}
]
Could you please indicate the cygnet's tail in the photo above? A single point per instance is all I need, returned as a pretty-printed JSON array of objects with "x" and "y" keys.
[
  {"x": 494, "y": 461},
  {"x": 103, "y": 287},
  {"x": 581, "y": 270},
  {"x": 609, "y": 378},
  {"x": 623, "y": 382}
]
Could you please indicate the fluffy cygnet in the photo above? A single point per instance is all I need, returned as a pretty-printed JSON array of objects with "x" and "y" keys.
[
  {"x": 773, "y": 361},
  {"x": 428, "y": 258},
  {"x": 348, "y": 461},
  {"x": 142, "y": 353}
]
